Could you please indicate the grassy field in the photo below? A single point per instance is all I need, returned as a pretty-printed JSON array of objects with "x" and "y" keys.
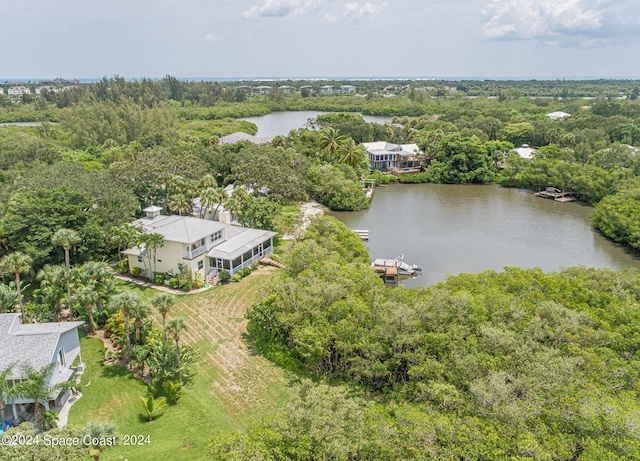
[{"x": 233, "y": 384}]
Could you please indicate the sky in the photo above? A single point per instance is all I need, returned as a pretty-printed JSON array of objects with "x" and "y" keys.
[{"x": 320, "y": 38}]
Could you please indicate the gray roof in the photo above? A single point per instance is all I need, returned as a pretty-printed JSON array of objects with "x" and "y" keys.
[
  {"x": 240, "y": 136},
  {"x": 32, "y": 343},
  {"x": 153, "y": 208},
  {"x": 240, "y": 243},
  {"x": 183, "y": 229}
]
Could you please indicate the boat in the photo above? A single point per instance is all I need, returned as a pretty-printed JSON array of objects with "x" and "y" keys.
[{"x": 402, "y": 267}]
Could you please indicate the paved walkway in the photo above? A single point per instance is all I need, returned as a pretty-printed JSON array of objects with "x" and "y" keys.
[
  {"x": 63, "y": 415},
  {"x": 165, "y": 288}
]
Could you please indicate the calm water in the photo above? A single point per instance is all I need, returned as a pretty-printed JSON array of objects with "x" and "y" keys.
[
  {"x": 449, "y": 229},
  {"x": 280, "y": 123},
  {"x": 22, "y": 124}
]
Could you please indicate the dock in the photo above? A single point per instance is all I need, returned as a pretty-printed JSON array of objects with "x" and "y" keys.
[
  {"x": 557, "y": 195},
  {"x": 362, "y": 234},
  {"x": 389, "y": 275}
]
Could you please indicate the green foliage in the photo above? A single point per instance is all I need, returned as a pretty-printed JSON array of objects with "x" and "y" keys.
[
  {"x": 337, "y": 187},
  {"x": 136, "y": 271},
  {"x": 616, "y": 216},
  {"x": 41, "y": 451},
  {"x": 49, "y": 420},
  {"x": 224, "y": 276},
  {"x": 122, "y": 267},
  {"x": 174, "y": 283},
  {"x": 158, "y": 278},
  {"x": 152, "y": 408}
]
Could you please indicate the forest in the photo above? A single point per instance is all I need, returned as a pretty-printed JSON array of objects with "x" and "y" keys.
[{"x": 517, "y": 365}]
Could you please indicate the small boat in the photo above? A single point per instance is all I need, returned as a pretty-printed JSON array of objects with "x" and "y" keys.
[{"x": 402, "y": 267}]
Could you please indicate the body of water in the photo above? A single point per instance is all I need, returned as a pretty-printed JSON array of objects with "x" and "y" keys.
[
  {"x": 281, "y": 123},
  {"x": 21, "y": 124},
  {"x": 450, "y": 229}
]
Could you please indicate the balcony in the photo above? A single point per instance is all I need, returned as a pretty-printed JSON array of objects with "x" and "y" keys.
[{"x": 190, "y": 254}]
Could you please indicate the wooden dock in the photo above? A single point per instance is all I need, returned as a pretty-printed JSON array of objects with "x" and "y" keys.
[
  {"x": 389, "y": 275},
  {"x": 362, "y": 234},
  {"x": 557, "y": 195}
]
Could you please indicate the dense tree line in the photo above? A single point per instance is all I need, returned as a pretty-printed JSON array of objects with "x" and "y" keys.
[{"x": 542, "y": 365}]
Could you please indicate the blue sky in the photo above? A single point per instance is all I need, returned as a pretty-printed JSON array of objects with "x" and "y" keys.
[{"x": 307, "y": 38}]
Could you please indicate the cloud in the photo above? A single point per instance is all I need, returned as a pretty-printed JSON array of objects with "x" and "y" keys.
[
  {"x": 583, "y": 23},
  {"x": 282, "y": 8},
  {"x": 331, "y": 10}
]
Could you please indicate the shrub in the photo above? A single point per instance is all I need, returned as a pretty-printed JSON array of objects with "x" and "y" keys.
[
  {"x": 198, "y": 283},
  {"x": 174, "y": 283},
  {"x": 136, "y": 271},
  {"x": 237, "y": 277},
  {"x": 122, "y": 267},
  {"x": 158, "y": 278},
  {"x": 186, "y": 287},
  {"x": 224, "y": 276}
]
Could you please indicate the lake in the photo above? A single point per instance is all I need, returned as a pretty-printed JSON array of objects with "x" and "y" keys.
[
  {"x": 450, "y": 229},
  {"x": 281, "y": 123}
]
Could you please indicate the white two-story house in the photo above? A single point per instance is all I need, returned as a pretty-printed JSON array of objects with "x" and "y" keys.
[
  {"x": 38, "y": 345},
  {"x": 205, "y": 246}
]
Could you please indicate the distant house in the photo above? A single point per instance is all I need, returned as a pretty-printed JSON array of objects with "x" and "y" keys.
[
  {"x": 525, "y": 151},
  {"x": 240, "y": 136},
  {"x": 38, "y": 345},
  {"x": 1, "y": 91},
  {"x": 348, "y": 89},
  {"x": 286, "y": 89},
  {"x": 327, "y": 89},
  {"x": 398, "y": 158},
  {"x": 206, "y": 247},
  {"x": 308, "y": 88},
  {"x": 262, "y": 90},
  {"x": 40, "y": 89},
  {"x": 18, "y": 91},
  {"x": 558, "y": 115}
]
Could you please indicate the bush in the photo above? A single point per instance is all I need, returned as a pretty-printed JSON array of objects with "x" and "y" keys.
[
  {"x": 158, "y": 278},
  {"x": 224, "y": 276},
  {"x": 122, "y": 267},
  {"x": 136, "y": 271},
  {"x": 237, "y": 277},
  {"x": 186, "y": 287},
  {"x": 174, "y": 283},
  {"x": 198, "y": 283}
]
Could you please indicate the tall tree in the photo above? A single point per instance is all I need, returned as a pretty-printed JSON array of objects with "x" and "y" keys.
[
  {"x": 163, "y": 302},
  {"x": 352, "y": 154},
  {"x": 175, "y": 328},
  {"x": 332, "y": 142},
  {"x": 16, "y": 263},
  {"x": 87, "y": 297},
  {"x": 67, "y": 239},
  {"x": 52, "y": 284},
  {"x": 126, "y": 302},
  {"x": 8, "y": 298}
]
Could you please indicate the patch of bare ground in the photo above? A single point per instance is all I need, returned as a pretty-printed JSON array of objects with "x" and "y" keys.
[{"x": 238, "y": 378}]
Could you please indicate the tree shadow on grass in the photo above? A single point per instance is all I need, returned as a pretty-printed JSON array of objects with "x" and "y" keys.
[{"x": 116, "y": 371}]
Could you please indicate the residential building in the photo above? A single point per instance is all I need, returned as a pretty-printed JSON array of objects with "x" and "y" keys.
[
  {"x": 262, "y": 90},
  {"x": 286, "y": 89},
  {"x": 327, "y": 89},
  {"x": 205, "y": 246},
  {"x": 348, "y": 88},
  {"x": 397, "y": 158},
  {"x": 18, "y": 91},
  {"x": 1, "y": 90},
  {"x": 525, "y": 151},
  {"x": 558, "y": 115},
  {"x": 38, "y": 345},
  {"x": 40, "y": 89}
]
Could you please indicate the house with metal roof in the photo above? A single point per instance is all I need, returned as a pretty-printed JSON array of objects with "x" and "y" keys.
[
  {"x": 397, "y": 158},
  {"x": 524, "y": 151},
  {"x": 206, "y": 247},
  {"x": 38, "y": 345},
  {"x": 558, "y": 115}
]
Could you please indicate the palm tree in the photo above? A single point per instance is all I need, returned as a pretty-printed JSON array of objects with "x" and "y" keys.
[
  {"x": 102, "y": 275},
  {"x": 5, "y": 390},
  {"x": 87, "y": 296},
  {"x": 8, "y": 298},
  {"x": 98, "y": 430},
  {"x": 52, "y": 284},
  {"x": 208, "y": 197},
  {"x": 331, "y": 141},
  {"x": 353, "y": 154},
  {"x": 152, "y": 242},
  {"x": 207, "y": 181},
  {"x": 67, "y": 239},
  {"x": 139, "y": 312},
  {"x": 122, "y": 236},
  {"x": 126, "y": 302},
  {"x": 16, "y": 263},
  {"x": 179, "y": 203},
  {"x": 151, "y": 407},
  {"x": 36, "y": 385},
  {"x": 163, "y": 302},
  {"x": 175, "y": 327}
]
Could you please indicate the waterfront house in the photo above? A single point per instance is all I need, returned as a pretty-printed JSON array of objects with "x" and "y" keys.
[
  {"x": 524, "y": 151},
  {"x": 327, "y": 89},
  {"x": 286, "y": 89},
  {"x": 261, "y": 90},
  {"x": 397, "y": 158},
  {"x": 558, "y": 115},
  {"x": 38, "y": 345},
  {"x": 348, "y": 89},
  {"x": 205, "y": 246}
]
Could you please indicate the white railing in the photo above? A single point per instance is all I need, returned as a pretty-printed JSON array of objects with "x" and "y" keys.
[{"x": 195, "y": 252}]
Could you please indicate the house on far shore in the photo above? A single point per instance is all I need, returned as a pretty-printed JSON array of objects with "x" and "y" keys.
[
  {"x": 240, "y": 136},
  {"x": 396, "y": 158},
  {"x": 558, "y": 115},
  {"x": 38, "y": 345},
  {"x": 206, "y": 247},
  {"x": 18, "y": 91},
  {"x": 348, "y": 89},
  {"x": 263, "y": 89},
  {"x": 524, "y": 151}
]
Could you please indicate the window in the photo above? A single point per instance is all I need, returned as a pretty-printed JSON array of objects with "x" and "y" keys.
[
  {"x": 200, "y": 265},
  {"x": 61, "y": 356},
  {"x": 139, "y": 258},
  {"x": 216, "y": 236}
]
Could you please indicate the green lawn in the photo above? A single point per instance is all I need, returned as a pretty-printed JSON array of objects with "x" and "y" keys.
[{"x": 233, "y": 384}]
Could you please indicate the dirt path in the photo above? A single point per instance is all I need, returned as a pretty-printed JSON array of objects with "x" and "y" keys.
[{"x": 239, "y": 379}]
